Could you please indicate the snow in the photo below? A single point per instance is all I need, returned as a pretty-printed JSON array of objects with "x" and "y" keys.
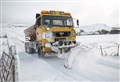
[
  {"x": 94, "y": 27},
  {"x": 96, "y": 67},
  {"x": 87, "y": 64},
  {"x": 37, "y": 69},
  {"x": 99, "y": 39}
]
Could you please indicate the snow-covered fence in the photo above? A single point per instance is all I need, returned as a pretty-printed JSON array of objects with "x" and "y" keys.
[
  {"x": 104, "y": 51},
  {"x": 8, "y": 65}
]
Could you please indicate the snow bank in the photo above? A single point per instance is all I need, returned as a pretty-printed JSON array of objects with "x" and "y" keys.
[
  {"x": 92, "y": 64},
  {"x": 95, "y": 67}
]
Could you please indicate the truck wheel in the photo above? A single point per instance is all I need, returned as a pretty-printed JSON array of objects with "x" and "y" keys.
[
  {"x": 25, "y": 49},
  {"x": 30, "y": 51},
  {"x": 40, "y": 52},
  {"x": 38, "y": 49}
]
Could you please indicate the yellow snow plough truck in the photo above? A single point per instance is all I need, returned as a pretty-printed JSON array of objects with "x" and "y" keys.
[{"x": 53, "y": 31}]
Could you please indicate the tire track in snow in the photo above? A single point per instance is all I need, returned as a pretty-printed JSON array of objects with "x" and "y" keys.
[{"x": 16, "y": 42}]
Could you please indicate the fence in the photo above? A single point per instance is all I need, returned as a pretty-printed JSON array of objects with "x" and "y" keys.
[
  {"x": 8, "y": 65},
  {"x": 104, "y": 53}
]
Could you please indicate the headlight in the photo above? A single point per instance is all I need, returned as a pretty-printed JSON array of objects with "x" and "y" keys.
[
  {"x": 48, "y": 28},
  {"x": 48, "y": 36}
]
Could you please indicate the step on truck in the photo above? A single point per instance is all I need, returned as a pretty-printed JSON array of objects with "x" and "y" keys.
[{"x": 53, "y": 31}]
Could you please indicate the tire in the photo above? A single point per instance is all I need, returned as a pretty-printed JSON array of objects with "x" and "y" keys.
[
  {"x": 26, "y": 48},
  {"x": 31, "y": 51},
  {"x": 40, "y": 52}
]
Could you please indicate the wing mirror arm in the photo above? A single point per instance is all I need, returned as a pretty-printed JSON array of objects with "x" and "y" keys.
[{"x": 77, "y": 22}]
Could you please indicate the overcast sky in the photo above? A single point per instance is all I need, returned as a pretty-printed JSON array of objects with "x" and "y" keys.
[{"x": 87, "y": 11}]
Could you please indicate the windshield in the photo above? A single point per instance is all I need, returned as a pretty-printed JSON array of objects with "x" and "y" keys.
[{"x": 60, "y": 21}]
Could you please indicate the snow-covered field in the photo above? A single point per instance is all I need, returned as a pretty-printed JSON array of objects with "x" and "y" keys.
[{"x": 88, "y": 64}]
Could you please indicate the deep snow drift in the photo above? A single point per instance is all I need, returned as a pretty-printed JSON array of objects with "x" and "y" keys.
[{"x": 88, "y": 63}]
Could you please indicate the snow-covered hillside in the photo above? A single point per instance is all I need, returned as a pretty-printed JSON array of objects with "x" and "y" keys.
[
  {"x": 95, "y": 27},
  {"x": 88, "y": 64},
  {"x": 8, "y": 25},
  {"x": 116, "y": 25}
]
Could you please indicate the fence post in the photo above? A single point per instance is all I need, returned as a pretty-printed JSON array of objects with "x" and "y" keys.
[
  {"x": 118, "y": 51},
  {"x": 13, "y": 70},
  {"x": 0, "y": 70},
  {"x": 13, "y": 53},
  {"x": 101, "y": 50}
]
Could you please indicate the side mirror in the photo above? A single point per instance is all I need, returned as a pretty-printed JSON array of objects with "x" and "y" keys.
[
  {"x": 77, "y": 22},
  {"x": 37, "y": 15}
]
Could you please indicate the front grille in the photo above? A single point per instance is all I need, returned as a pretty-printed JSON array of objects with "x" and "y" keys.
[
  {"x": 61, "y": 34},
  {"x": 59, "y": 39}
]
